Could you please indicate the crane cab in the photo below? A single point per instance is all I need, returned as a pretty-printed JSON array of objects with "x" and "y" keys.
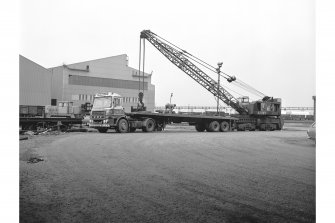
[
  {"x": 270, "y": 107},
  {"x": 265, "y": 107}
]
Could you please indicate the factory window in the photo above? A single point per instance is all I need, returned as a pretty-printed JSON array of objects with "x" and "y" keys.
[
  {"x": 104, "y": 82},
  {"x": 75, "y": 97}
]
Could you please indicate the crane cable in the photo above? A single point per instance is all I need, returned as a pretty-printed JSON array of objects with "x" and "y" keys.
[
  {"x": 139, "y": 68},
  {"x": 143, "y": 63},
  {"x": 193, "y": 58},
  {"x": 248, "y": 88}
]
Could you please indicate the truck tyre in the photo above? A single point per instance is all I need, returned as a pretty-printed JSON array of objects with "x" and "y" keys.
[
  {"x": 122, "y": 126},
  {"x": 102, "y": 130},
  {"x": 213, "y": 126},
  {"x": 200, "y": 127},
  {"x": 148, "y": 125},
  {"x": 224, "y": 126}
]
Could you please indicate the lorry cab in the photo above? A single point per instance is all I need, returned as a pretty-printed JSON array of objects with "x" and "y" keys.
[{"x": 106, "y": 111}]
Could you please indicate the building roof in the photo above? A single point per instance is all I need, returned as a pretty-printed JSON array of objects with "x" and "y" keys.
[
  {"x": 86, "y": 61},
  {"x": 33, "y": 62}
]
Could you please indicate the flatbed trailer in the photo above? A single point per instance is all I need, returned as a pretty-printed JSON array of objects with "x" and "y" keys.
[
  {"x": 149, "y": 121},
  {"x": 32, "y": 123},
  {"x": 178, "y": 118},
  {"x": 108, "y": 113}
]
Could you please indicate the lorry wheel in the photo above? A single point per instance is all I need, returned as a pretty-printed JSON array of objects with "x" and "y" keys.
[
  {"x": 122, "y": 126},
  {"x": 213, "y": 126},
  {"x": 224, "y": 126},
  {"x": 102, "y": 130},
  {"x": 148, "y": 125},
  {"x": 200, "y": 127}
]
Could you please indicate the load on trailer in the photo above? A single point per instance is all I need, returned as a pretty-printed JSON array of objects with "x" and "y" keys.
[{"x": 107, "y": 113}]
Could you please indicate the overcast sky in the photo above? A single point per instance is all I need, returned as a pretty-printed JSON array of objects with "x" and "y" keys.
[{"x": 269, "y": 44}]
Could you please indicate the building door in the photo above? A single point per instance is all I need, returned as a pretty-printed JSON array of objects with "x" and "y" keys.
[{"x": 53, "y": 102}]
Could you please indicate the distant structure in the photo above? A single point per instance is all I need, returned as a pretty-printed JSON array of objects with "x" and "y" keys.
[{"x": 79, "y": 82}]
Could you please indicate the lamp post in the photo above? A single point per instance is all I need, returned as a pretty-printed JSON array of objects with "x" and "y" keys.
[
  {"x": 218, "y": 91},
  {"x": 314, "y": 99}
]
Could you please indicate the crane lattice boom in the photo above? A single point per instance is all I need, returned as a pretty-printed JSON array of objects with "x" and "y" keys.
[{"x": 177, "y": 58}]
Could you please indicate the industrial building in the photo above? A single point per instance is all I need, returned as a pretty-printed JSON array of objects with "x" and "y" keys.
[
  {"x": 79, "y": 82},
  {"x": 35, "y": 83}
]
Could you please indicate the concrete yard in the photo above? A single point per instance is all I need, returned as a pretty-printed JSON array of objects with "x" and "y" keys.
[{"x": 178, "y": 175}]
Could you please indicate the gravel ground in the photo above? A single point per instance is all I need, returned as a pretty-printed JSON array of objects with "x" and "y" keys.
[{"x": 178, "y": 175}]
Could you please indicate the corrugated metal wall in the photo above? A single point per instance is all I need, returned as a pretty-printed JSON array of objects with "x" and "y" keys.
[{"x": 35, "y": 83}]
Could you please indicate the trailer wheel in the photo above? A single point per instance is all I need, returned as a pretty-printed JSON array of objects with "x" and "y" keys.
[
  {"x": 224, "y": 126},
  {"x": 200, "y": 127},
  {"x": 213, "y": 126},
  {"x": 122, "y": 126},
  {"x": 148, "y": 125},
  {"x": 102, "y": 130}
]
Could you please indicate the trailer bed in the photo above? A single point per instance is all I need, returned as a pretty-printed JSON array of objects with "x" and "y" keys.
[{"x": 177, "y": 118}]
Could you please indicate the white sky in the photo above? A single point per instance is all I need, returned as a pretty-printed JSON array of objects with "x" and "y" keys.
[{"x": 269, "y": 44}]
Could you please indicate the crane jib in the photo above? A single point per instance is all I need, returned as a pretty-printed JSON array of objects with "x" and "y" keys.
[{"x": 179, "y": 60}]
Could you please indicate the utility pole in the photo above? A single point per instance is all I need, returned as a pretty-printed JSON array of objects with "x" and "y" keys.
[
  {"x": 218, "y": 92},
  {"x": 314, "y": 99},
  {"x": 171, "y": 97}
]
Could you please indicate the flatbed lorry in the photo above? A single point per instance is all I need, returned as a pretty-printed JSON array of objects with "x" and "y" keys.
[{"x": 107, "y": 113}]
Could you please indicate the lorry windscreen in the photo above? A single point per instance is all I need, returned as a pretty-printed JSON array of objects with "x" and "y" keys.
[{"x": 103, "y": 102}]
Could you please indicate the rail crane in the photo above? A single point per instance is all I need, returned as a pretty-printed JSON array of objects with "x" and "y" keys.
[{"x": 263, "y": 114}]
